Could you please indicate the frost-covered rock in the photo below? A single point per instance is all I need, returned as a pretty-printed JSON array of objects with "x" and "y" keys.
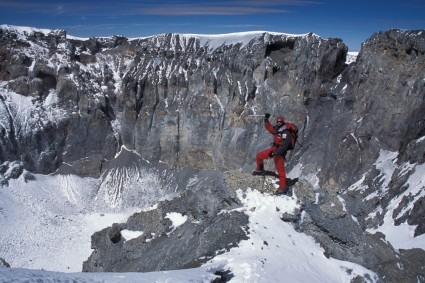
[
  {"x": 181, "y": 99},
  {"x": 180, "y": 233}
]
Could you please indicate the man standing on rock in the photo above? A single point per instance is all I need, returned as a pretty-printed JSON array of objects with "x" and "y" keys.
[{"x": 281, "y": 143}]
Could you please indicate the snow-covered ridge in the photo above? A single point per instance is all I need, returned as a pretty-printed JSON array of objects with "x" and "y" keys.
[
  {"x": 26, "y": 31},
  {"x": 212, "y": 40},
  {"x": 351, "y": 57},
  {"x": 216, "y": 40}
]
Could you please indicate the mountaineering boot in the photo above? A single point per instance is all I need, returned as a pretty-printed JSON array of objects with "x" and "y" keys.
[
  {"x": 280, "y": 191},
  {"x": 259, "y": 170},
  {"x": 291, "y": 182}
]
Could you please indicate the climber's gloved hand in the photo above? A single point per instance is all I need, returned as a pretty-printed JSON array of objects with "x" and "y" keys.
[{"x": 266, "y": 117}]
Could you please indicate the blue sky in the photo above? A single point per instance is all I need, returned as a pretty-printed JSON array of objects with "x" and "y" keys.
[{"x": 352, "y": 21}]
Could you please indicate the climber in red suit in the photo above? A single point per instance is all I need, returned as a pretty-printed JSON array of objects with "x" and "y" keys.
[{"x": 281, "y": 142}]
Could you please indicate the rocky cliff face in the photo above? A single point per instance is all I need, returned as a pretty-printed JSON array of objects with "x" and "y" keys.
[
  {"x": 185, "y": 101},
  {"x": 172, "y": 98}
]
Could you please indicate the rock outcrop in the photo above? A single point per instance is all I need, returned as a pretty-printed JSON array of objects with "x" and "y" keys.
[
  {"x": 213, "y": 224},
  {"x": 163, "y": 246},
  {"x": 343, "y": 237}
]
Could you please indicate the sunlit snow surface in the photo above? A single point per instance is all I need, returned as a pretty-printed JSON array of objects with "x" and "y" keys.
[
  {"x": 49, "y": 222},
  {"x": 213, "y": 41},
  {"x": 401, "y": 236},
  {"x": 275, "y": 252},
  {"x": 351, "y": 57}
]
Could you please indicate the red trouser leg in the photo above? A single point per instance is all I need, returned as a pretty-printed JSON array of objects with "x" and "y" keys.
[
  {"x": 260, "y": 158},
  {"x": 279, "y": 162}
]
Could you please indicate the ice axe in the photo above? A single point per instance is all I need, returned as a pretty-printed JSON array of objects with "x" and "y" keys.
[
  {"x": 260, "y": 115},
  {"x": 255, "y": 116},
  {"x": 266, "y": 115}
]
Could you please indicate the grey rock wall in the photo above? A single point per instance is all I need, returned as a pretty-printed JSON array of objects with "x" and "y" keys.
[{"x": 169, "y": 97}]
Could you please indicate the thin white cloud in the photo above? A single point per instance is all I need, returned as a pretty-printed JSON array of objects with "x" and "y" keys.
[
  {"x": 276, "y": 2},
  {"x": 238, "y": 7},
  {"x": 206, "y": 10},
  {"x": 60, "y": 9},
  {"x": 158, "y": 7}
]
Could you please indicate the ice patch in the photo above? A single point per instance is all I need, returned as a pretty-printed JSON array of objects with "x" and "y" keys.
[
  {"x": 130, "y": 235},
  {"x": 420, "y": 139},
  {"x": 176, "y": 219},
  {"x": 351, "y": 57},
  {"x": 401, "y": 237},
  {"x": 386, "y": 164}
]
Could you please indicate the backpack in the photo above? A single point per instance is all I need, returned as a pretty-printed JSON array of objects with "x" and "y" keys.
[{"x": 293, "y": 129}]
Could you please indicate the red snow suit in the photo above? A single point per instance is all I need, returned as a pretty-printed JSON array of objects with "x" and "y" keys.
[{"x": 281, "y": 142}]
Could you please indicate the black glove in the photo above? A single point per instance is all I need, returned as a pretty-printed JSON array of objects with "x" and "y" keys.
[
  {"x": 271, "y": 153},
  {"x": 266, "y": 117}
]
